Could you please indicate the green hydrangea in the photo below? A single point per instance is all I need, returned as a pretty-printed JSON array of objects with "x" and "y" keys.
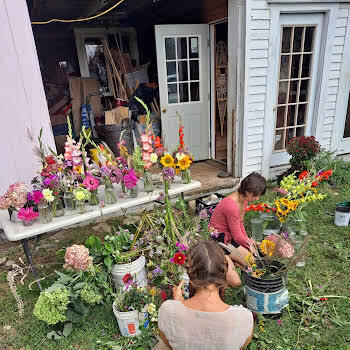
[
  {"x": 51, "y": 306},
  {"x": 89, "y": 295}
]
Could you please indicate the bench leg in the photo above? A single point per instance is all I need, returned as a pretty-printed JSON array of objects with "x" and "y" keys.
[{"x": 30, "y": 261}]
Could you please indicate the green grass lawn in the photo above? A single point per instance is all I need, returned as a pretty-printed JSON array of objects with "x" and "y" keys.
[{"x": 305, "y": 325}]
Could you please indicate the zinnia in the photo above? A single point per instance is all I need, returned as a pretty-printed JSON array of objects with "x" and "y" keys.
[
  {"x": 77, "y": 258},
  {"x": 127, "y": 278},
  {"x": 130, "y": 179},
  {"x": 179, "y": 258},
  {"x": 91, "y": 183}
]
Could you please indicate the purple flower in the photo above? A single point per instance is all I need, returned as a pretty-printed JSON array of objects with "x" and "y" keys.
[
  {"x": 161, "y": 197},
  {"x": 215, "y": 234},
  {"x": 210, "y": 210},
  {"x": 181, "y": 247},
  {"x": 203, "y": 214},
  {"x": 157, "y": 271},
  {"x": 130, "y": 179},
  {"x": 168, "y": 174},
  {"x": 284, "y": 234}
]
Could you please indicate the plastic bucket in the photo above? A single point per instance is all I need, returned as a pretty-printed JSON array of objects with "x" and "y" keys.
[
  {"x": 128, "y": 322},
  {"x": 266, "y": 303},
  {"x": 136, "y": 269},
  {"x": 342, "y": 214}
]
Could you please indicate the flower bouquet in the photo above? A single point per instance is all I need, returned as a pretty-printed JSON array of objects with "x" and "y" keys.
[
  {"x": 130, "y": 181},
  {"x": 27, "y": 215},
  {"x": 81, "y": 195},
  {"x": 91, "y": 183},
  {"x": 183, "y": 158},
  {"x": 14, "y": 199}
]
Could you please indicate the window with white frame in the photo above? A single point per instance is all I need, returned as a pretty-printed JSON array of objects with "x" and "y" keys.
[
  {"x": 182, "y": 67},
  {"x": 297, "y": 51}
]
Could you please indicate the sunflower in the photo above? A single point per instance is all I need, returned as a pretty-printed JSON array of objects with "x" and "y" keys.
[
  {"x": 267, "y": 247},
  {"x": 184, "y": 163},
  {"x": 167, "y": 161}
]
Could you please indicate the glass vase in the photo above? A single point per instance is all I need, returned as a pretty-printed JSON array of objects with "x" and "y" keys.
[
  {"x": 57, "y": 208},
  {"x": 81, "y": 206},
  {"x": 28, "y": 223},
  {"x": 69, "y": 201},
  {"x": 13, "y": 214},
  {"x": 44, "y": 213},
  {"x": 109, "y": 193},
  {"x": 147, "y": 181},
  {"x": 271, "y": 224},
  {"x": 123, "y": 187},
  {"x": 186, "y": 176},
  {"x": 132, "y": 192},
  {"x": 257, "y": 229},
  {"x": 94, "y": 197}
]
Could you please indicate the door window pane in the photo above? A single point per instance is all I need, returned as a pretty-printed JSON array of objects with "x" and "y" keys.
[
  {"x": 183, "y": 75},
  {"x": 194, "y": 70},
  {"x": 181, "y": 48},
  {"x": 294, "y": 82},
  {"x": 194, "y": 91},
  {"x": 286, "y": 37},
  {"x": 298, "y": 35},
  {"x": 347, "y": 121},
  {"x": 172, "y": 93},
  {"x": 183, "y": 89},
  {"x": 170, "y": 49},
  {"x": 309, "y": 39},
  {"x": 171, "y": 71},
  {"x": 194, "y": 51}
]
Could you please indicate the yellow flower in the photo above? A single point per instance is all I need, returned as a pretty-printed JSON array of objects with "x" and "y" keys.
[
  {"x": 78, "y": 169},
  {"x": 167, "y": 161},
  {"x": 152, "y": 291},
  {"x": 123, "y": 151},
  {"x": 80, "y": 195},
  {"x": 153, "y": 157},
  {"x": 250, "y": 260},
  {"x": 267, "y": 247},
  {"x": 284, "y": 201},
  {"x": 258, "y": 273},
  {"x": 151, "y": 308},
  {"x": 150, "y": 263},
  {"x": 184, "y": 163}
]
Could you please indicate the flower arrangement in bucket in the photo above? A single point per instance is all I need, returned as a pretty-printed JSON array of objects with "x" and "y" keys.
[
  {"x": 265, "y": 276},
  {"x": 132, "y": 307}
]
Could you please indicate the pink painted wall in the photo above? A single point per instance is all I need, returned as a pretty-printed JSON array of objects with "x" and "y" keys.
[{"x": 22, "y": 98}]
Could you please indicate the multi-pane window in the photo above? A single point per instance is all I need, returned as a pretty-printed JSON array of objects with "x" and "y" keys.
[
  {"x": 182, "y": 68},
  {"x": 294, "y": 83}
]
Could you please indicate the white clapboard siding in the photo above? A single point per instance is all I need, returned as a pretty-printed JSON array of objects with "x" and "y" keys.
[
  {"x": 337, "y": 59},
  {"x": 257, "y": 52}
]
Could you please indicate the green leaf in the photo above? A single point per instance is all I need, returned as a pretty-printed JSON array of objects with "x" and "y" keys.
[
  {"x": 67, "y": 329},
  {"x": 108, "y": 261},
  {"x": 94, "y": 242},
  {"x": 79, "y": 285},
  {"x": 53, "y": 335}
]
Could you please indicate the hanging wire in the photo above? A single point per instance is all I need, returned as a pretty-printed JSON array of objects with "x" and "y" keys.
[{"x": 80, "y": 19}]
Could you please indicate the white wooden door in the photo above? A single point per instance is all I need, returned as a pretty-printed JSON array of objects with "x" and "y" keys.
[
  {"x": 299, "y": 51},
  {"x": 183, "y": 75}
]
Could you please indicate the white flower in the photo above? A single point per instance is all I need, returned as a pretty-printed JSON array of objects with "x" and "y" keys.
[
  {"x": 153, "y": 157},
  {"x": 154, "y": 319},
  {"x": 151, "y": 308},
  {"x": 47, "y": 193},
  {"x": 180, "y": 156}
]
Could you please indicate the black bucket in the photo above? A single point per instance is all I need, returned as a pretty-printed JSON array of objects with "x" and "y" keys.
[
  {"x": 266, "y": 285},
  {"x": 111, "y": 135}
]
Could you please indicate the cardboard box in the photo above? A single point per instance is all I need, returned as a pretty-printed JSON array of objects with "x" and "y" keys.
[{"x": 116, "y": 115}]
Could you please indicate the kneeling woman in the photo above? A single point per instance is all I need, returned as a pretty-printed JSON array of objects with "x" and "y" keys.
[
  {"x": 228, "y": 216},
  {"x": 204, "y": 321}
]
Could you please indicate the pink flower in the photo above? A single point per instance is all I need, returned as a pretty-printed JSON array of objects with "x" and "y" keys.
[
  {"x": 285, "y": 250},
  {"x": 5, "y": 202},
  {"x": 77, "y": 258},
  {"x": 91, "y": 183},
  {"x": 147, "y": 147},
  {"x": 37, "y": 196},
  {"x": 130, "y": 179},
  {"x": 27, "y": 214},
  {"x": 148, "y": 165},
  {"x": 144, "y": 138},
  {"x": 145, "y": 157},
  {"x": 17, "y": 195}
]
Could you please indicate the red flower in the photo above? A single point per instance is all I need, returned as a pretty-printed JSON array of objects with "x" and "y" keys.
[
  {"x": 163, "y": 295},
  {"x": 179, "y": 258},
  {"x": 127, "y": 278},
  {"x": 157, "y": 142},
  {"x": 315, "y": 184},
  {"x": 50, "y": 160},
  {"x": 303, "y": 175}
]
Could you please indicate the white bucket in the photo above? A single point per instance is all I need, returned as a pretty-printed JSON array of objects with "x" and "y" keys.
[
  {"x": 135, "y": 268},
  {"x": 341, "y": 218},
  {"x": 128, "y": 322}
]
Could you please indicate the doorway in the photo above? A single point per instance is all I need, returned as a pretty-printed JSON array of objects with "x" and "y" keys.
[{"x": 219, "y": 59}]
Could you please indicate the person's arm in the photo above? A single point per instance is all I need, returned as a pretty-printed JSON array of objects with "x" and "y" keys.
[
  {"x": 232, "y": 276},
  {"x": 235, "y": 226},
  {"x": 248, "y": 340},
  {"x": 165, "y": 340}
]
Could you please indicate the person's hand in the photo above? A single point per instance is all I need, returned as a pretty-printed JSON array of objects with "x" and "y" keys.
[{"x": 177, "y": 292}]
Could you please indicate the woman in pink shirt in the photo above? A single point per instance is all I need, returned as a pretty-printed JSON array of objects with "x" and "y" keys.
[{"x": 228, "y": 216}]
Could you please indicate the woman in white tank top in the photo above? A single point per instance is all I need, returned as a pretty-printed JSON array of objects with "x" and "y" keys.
[{"x": 204, "y": 322}]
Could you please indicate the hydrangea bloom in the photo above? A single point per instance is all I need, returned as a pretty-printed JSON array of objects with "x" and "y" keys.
[
  {"x": 285, "y": 250},
  {"x": 77, "y": 258}
]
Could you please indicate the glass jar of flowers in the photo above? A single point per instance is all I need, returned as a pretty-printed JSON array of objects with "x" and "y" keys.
[
  {"x": 81, "y": 195},
  {"x": 91, "y": 183},
  {"x": 27, "y": 215},
  {"x": 130, "y": 180}
]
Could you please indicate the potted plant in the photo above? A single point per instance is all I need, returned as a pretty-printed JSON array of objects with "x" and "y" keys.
[
  {"x": 119, "y": 255},
  {"x": 131, "y": 307}
]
